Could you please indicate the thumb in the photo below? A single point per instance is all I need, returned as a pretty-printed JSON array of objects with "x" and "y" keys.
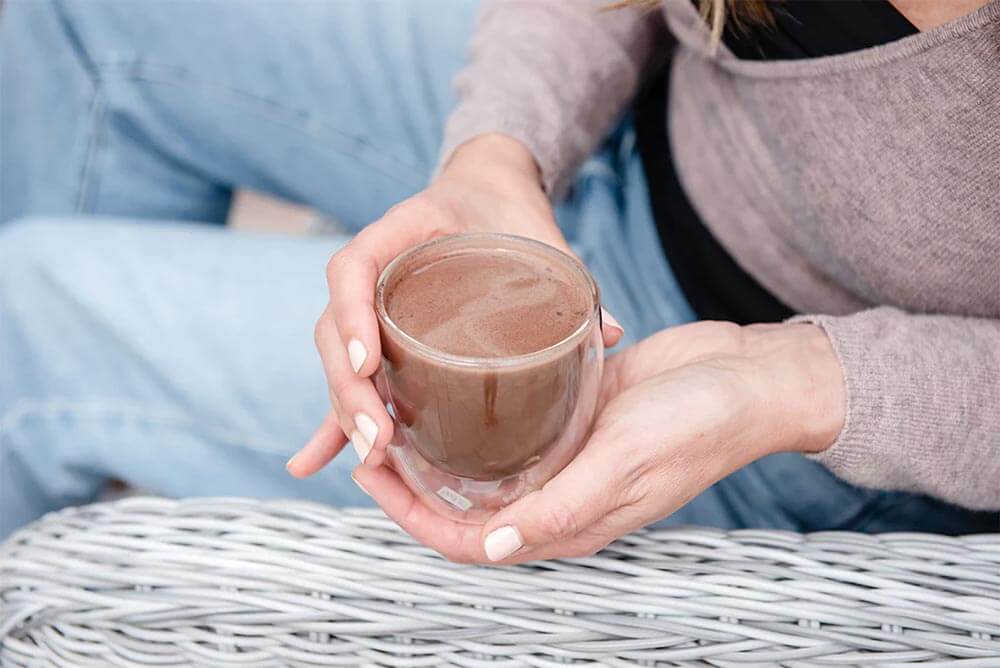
[{"x": 569, "y": 503}]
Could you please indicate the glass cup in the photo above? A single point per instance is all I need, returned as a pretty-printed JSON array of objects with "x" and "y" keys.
[{"x": 474, "y": 434}]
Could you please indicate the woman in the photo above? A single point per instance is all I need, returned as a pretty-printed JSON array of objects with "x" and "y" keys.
[{"x": 824, "y": 159}]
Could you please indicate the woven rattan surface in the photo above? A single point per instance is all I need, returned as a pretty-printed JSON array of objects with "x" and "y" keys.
[{"x": 235, "y": 582}]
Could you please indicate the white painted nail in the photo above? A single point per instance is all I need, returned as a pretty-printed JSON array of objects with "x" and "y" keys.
[
  {"x": 610, "y": 320},
  {"x": 501, "y": 543},
  {"x": 288, "y": 464},
  {"x": 367, "y": 427},
  {"x": 362, "y": 487},
  {"x": 361, "y": 445},
  {"x": 356, "y": 351}
]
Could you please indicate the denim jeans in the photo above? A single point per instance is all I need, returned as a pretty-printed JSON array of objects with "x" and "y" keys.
[{"x": 141, "y": 340}]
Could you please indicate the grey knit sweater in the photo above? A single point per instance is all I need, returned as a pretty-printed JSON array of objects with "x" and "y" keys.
[{"x": 863, "y": 188}]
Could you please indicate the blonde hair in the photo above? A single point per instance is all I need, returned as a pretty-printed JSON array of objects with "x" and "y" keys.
[{"x": 742, "y": 13}]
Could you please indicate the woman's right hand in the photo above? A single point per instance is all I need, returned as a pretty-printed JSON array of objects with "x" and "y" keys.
[{"x": 491, "y": 184}]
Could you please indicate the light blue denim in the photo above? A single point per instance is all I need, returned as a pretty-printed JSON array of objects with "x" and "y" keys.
[{"x": 140, "y": 340}]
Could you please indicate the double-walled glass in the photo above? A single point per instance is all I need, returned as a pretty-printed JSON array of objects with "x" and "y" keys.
[{"x": 473, "y": 434}]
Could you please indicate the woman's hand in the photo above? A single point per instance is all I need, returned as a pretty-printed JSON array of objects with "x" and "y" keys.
[
  {"x": 678, "y": 412},
  {"x": 491, "y": 184}
]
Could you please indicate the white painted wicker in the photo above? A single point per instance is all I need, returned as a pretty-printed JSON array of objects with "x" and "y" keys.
[{"x": 235, "y": 582}]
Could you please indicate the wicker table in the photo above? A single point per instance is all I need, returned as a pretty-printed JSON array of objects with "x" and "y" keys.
[{"x": 236, "y": 582}]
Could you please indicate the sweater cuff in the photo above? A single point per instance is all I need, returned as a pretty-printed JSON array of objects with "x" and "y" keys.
[
  {"x": 850, "y": 456},
  {"x": 922, "y": 404}
]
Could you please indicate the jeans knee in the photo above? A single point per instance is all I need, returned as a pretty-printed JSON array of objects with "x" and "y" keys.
[
  {"x": 29, "y": 248},
  {"x": 30, "y": 237},
  {"x": 36, "y": 307}
]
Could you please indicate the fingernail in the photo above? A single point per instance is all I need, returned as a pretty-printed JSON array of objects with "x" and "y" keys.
[
  {"x": 288, "y": 464},
  {"x": 367, "y": 427},
  {"x": 361, "y": 445},
  {"x": 360, "y": 485},
  {"x": 356, "y": 351},
  {"x": 609, "y": 319},
  {"x": 501, "y": 543}
]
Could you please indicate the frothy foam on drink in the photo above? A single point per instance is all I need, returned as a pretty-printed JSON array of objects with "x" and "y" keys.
[{"x": 485, "y": 303}]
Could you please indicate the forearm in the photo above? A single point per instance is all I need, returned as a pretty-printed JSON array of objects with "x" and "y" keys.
[{"x": 552, "y": 75}]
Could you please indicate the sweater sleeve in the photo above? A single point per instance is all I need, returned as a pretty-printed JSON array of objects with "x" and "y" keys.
[
  {"x": 553, "y": 74},
  {"x": 923, "y": 404}
]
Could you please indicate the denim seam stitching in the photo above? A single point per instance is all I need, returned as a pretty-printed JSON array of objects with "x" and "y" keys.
[
  {"x": 156, "y": 73},
  {"x": 89, "y": 176},
  {"x": 88, "y": 182}
]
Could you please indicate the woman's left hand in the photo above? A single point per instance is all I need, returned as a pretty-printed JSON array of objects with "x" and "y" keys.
[{"x": 678, "y": 412}]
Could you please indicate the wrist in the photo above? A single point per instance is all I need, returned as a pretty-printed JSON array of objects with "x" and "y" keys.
[
  {"x": 497, "y": 157},
  {"x": 800, "y": 385}
]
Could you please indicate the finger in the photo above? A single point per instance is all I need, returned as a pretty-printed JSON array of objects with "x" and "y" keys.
[
  {"x": 611, "y": 330},
  {"x": 588, "y": 542},
  {"x": 587, "y": 490},
  {"x": 584, "y": 544},
  {"x": 360, "y": 411},
  {"x": 365, "y": 421},
  {"x": 324, "y": 445},
  {"x": 458, "y": 541},
  {"x": 353, "y": 272}
]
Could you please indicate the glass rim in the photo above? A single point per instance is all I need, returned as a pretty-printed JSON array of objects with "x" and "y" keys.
[{"x": 414, "y": 345}]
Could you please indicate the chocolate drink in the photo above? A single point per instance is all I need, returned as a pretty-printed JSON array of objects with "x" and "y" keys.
[{"x": 485, "y": 351}]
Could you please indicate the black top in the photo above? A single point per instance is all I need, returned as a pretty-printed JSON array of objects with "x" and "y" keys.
[{"x": 715, "y": 285}]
